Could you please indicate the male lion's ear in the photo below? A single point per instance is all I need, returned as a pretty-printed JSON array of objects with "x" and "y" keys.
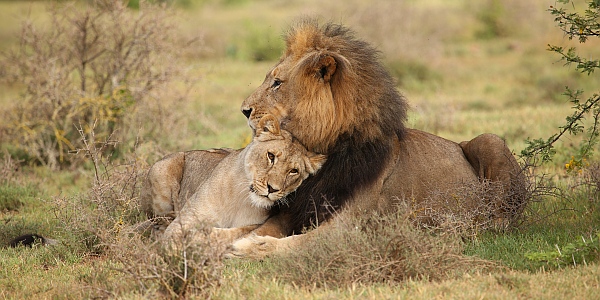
[
  {"x": 314, "y": 162},
  {"x": 268, "y": 124},
  {"x": 326, "y": 67}
]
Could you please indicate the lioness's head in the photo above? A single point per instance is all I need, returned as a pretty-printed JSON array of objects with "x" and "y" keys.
[
  {"x": 277, "y": 163},
  {"x": 328, "y": 85}
]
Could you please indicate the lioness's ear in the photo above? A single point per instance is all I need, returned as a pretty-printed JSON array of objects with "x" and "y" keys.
[
  {"x": 268, "y": 124},
  {"x": 326, "y": 67},
  {"x": 314, "y": 162}
]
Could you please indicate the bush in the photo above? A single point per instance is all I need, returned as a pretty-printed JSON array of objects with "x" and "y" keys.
[
  {"x": 581, "y": 26},
  {"x": 98, "y": 65},
  {"x": 107, "y": 221}
]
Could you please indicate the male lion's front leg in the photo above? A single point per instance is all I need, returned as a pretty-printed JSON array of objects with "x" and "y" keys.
[
  {"x": 228, "y": 235},
  {"x": 270, "y": 237},
  {"x": 257, "y": 247}
]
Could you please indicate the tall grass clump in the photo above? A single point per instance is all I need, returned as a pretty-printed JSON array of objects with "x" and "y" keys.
[
  {"x": 372, "y": 249},
  {"x": 96, "y": 64},
  {"x": 107, "y": 222}
]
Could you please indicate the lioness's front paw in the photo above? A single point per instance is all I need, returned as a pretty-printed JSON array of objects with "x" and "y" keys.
[{"x": 253, "y": 247}]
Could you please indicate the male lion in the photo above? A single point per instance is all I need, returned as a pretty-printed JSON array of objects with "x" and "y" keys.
[
  {"x": 231, "y": 188},
  {"x": 330, "y": 91}
]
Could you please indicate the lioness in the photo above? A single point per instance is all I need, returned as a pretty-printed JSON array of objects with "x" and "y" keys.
[{"x": 237, "y": 188}]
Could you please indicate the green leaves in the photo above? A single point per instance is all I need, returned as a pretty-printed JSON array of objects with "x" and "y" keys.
[
  {"x": 582, "y": 26},
  {"x": 578, "y": 252},
  {"x": 578, "y": 25}
]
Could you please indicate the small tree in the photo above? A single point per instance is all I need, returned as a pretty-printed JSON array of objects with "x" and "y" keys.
[
  {"x": 581, "y": 26},
  {"x": 96, "y": 64}
]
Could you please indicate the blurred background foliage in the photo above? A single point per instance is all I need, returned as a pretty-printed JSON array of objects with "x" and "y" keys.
[{"x": 458, "y": 62}]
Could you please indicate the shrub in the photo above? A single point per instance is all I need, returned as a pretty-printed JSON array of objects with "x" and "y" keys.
[
  {"x": 193, "y": 269},
  {"x": 97, "y": 65},
  {"x": 581, "y": 26},
  {"x": 108, "y": 221}
]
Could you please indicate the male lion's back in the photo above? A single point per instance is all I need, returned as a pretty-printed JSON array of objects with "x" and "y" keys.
[{"x": 425, "y": 164}]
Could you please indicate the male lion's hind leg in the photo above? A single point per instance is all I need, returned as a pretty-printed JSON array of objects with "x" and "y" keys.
[{"x": 493, "y": 162}]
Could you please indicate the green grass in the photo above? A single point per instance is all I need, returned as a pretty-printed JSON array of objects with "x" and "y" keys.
[
  {"x": 13, "y": 197},
  {"x": 553, "y": 223}
]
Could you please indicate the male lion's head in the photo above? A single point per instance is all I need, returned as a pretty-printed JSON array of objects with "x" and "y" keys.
[{"x": 328, "y": 86}]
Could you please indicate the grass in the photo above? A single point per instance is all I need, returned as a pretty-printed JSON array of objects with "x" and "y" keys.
[{"x": 461, "y": 77}]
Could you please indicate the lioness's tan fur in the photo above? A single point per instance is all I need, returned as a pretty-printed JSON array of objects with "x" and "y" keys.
[
  {"x": 330, "y": 91},
  {"x": 228, "y": 188}
]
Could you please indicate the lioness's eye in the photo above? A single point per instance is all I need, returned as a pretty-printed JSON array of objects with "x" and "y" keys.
[
  {"x": 293, "y": 171},
  {"x": 276, "y": 83},
  {"x": 271, "y": 157}
]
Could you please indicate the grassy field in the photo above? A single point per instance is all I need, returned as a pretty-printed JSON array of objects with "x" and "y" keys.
[{"x": 466, "y": 68}]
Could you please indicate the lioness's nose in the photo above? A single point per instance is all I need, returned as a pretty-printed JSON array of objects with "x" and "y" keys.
[
  {"x": 247, "y": 112},
  {"x": 271, "y": 189}
]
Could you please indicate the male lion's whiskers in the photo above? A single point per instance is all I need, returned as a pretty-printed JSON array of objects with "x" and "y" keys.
[{"x": 283, "y": 201}]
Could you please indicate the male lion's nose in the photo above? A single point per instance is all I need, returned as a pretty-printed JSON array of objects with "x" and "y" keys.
[
  {"x": 247, "y": 112},
  {"x": 271, "y": 189}
]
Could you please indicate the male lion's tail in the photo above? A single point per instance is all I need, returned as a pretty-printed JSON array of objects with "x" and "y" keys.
[{"x": 493, "y": 162}]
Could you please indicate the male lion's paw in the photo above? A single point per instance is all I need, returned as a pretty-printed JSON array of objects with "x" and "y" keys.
[{"x": 253, "y": 246}]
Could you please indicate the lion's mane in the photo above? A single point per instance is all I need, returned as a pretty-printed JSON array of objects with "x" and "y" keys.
[{"x": 359, "y": 127}]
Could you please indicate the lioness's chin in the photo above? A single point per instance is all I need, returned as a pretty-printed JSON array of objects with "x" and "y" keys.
[{"x": 261, "y": 201}]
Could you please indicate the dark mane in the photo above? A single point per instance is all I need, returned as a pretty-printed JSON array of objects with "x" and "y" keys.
[{"x": 358, "y": 157}]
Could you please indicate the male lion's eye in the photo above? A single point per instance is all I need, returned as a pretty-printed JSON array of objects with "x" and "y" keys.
[
  {"x": 271, "y": 157},
  {"x": 293, "y": 171},
  {"x": 276, "y": 83}
]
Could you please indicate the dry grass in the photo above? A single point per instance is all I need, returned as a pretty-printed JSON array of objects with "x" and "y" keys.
[
  {"x": 374, "y": 249},
  {"x": 570, "y": 283}
]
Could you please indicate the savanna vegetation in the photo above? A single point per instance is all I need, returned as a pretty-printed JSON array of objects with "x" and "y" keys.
[{"x": 93, "y": 92}]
